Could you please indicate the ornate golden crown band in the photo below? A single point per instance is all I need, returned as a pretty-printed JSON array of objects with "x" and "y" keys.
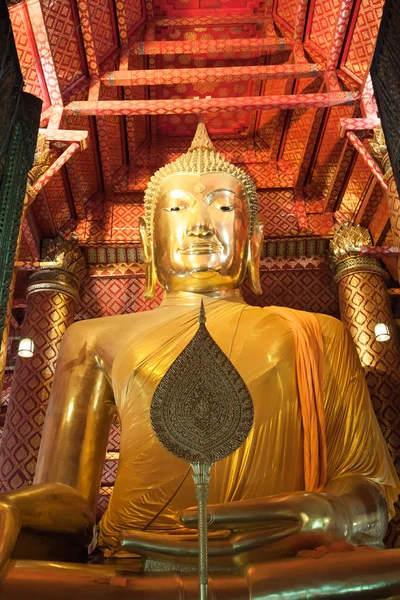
[{"x": 201, "y": 158}]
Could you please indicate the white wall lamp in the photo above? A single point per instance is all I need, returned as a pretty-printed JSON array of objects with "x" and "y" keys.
[
  {"x": 26, "y": 348},
  {"x": 382, "y": 332}
]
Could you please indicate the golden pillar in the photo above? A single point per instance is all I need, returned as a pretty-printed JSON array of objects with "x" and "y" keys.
[
  {"x": 52, "y": 296},
  {"x": 364, "y": 302}
]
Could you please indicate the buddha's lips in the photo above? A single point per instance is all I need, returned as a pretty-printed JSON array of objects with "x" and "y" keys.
[{"x": 204, "y": 247}]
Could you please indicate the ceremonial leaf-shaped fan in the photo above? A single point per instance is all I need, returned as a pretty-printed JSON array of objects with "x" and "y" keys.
[{"x": 201, "y": 412}]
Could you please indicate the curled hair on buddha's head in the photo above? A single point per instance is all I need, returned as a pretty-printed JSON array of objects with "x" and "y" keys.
[{"x": 200, "y": 159}]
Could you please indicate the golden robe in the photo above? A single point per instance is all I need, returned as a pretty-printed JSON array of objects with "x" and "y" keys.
[{"x": 152, "y": 486}]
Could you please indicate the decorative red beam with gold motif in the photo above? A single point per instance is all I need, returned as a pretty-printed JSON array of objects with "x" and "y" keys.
[
  {"x": 211, "y": 19},
  {"x": 340, "y": 34},
  {"x": 300, "y": 22},
  {"x": 208, "y": 105},
  {"x": 367, "y": 158},
  {"x": 226, "y": 74},
  {"x": 66, "y": 135},
  {"x": 380, "y": 251},
  {"x": 358, "y": 124},
  {"x": 226, "y": 46}
]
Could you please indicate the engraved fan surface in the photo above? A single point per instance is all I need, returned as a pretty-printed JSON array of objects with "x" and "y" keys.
[{"x": 201, "y": 409}]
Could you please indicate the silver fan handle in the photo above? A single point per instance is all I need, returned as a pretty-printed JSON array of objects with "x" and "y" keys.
[{"x": 201, "y": 476}]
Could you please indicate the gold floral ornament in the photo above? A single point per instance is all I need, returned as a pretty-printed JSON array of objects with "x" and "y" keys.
[
  {"x": 200, "y": 159},
  {"x": 42, "y": 160},
  {"x": 201, "y": 412},
  {"x": 65, "y": 254},
  {"x": 379, "y": 149},
  {"x": 348, "y": 241}
]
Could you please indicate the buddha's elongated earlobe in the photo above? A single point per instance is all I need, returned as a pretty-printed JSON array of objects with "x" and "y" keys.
[
  {"x": 254, "y": 255},
  {"x": 151, "y": 277}
]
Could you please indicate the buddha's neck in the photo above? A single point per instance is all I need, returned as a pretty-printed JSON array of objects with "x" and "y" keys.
[{"x": 193, "y": 298}]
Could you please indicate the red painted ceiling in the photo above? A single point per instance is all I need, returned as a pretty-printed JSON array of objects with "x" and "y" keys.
[{"x": 309, "y": 175}]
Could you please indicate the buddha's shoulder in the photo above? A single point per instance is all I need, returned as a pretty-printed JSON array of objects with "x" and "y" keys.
[
  {"x": 114, "y": 325},
  {"x": 330, "y": 326}
]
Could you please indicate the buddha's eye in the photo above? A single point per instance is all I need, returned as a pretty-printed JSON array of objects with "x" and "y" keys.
[
  {"x": 175, "y": 208},
  {"x": 223, "y": 200}
]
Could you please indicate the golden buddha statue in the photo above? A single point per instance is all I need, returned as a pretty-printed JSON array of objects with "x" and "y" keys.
[{"x": 313, "y": 471}]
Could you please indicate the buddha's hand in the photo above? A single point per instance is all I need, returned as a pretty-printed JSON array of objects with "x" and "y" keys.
[
  {"x": 46, "y": 507},
  {"x": 350, "y": 508},
  {"x": 10, "y": 526}
]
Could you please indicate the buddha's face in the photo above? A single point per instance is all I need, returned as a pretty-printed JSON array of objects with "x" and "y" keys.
[{"x": 200, "y": 232}]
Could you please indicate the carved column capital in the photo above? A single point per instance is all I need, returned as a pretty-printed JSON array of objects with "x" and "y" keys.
[
  {"x": 65, "y": 268},
  {"x": 380, "y": 152},
  {"x": 345, "y": 249}
]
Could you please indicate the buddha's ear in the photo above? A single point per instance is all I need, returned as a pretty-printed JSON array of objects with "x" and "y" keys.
[
  {"x": 151, "y": 277},
  {"x": 144, "y": 238},
  {"x": 254, "y": 255}
]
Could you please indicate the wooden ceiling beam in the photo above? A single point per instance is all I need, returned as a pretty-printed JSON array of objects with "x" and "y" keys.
[
  {"x": 209, "y": 105},
  {"x": 340, "y": 34},
  {"x": 29, "y": 239},
  {"x": 364, "y": 200},
  {"x": 226, "y": 74},
  {"x": 358, "y": 124},
  {"x": 66, "y": 135},
  {"x": 367, "y": 158},
  {"x": 88, "y": 38},
  {"x": 212, "y": 19},
  {"x": 46, "y": 59},
  {"x": 300, "y": 22},
  {"x": 53, "y": 169},
  {"x": 341, "y": 170},
  {"x": 204, "y": 46}
]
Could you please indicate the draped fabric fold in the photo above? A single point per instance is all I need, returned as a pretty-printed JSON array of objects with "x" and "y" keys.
[{"x": 310, "y": 382}]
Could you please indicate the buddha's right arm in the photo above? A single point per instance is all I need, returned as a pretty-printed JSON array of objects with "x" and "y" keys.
[
  {"x": 79, "y": 416},
  {"x": 71, "y": 458}
]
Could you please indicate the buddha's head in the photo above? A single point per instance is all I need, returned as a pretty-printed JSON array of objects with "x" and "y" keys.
[{"x": 200, "y": 231}]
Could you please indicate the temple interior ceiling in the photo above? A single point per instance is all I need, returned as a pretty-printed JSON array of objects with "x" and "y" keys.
[{"x": 282, "y": 86}]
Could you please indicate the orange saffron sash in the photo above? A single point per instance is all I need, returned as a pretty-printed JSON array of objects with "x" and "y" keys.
[{"x": 310, "y": 381}]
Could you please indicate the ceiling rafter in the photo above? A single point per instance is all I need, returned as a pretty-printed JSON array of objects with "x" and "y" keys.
[
  {"x": 367, "y": 159},
  {"x": 292, "y": 86},
  {"x": 197, "y": 105},
  {"x": 340, "y": 34},
  {"x": 29, "y": 239},
  {"x": 211, "y": 19},
  {"x": 52, "y": 170},
  {"x": 184, "y": 76},
  {"x": 47, "y": 63},
  {"x": 94, "y": 89},
  {"x": 342, "y": 167},
  {"x": 369, "y": 189},
  {"x": 244, "y": 45}
]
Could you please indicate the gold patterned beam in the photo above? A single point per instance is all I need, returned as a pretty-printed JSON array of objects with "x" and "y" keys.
[
  {"x": 226, "y": 74},
  {"x": 212, "y": 105}
]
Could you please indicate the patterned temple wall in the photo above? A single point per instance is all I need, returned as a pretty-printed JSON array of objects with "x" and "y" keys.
[{"x": 312, "y": 290}]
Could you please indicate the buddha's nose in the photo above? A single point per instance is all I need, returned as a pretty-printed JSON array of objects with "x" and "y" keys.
[
  {"x": 200, "y": 224},
  {"x": 201, "y": 230}
]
